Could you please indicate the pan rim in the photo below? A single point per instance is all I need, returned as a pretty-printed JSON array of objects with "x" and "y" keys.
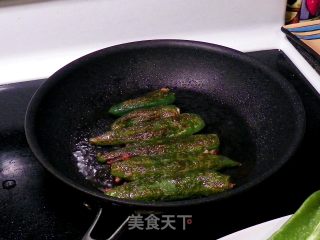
[{"x": 52, "y": 80}]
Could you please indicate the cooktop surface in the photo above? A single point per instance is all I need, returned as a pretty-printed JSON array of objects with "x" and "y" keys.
[{"x": 35, "y": 205}]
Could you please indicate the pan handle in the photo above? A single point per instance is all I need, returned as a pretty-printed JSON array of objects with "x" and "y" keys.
[{"x": 114, "y": 236}]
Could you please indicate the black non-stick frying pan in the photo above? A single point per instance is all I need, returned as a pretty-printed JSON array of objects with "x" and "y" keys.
[{"x": 256, "y": 112}]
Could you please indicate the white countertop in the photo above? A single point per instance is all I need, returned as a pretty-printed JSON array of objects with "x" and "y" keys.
[{"x": 38, "y": 38}]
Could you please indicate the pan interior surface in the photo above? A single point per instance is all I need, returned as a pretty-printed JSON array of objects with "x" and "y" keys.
[{"x": 256, "y": 113}]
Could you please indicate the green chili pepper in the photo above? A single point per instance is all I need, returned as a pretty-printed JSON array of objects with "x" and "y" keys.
[
  {"x": 192, "y": 144},
  {"x": 164, "y": 166},
  {"x": 183, "y": 125},
  {"x": 145, "y": 115},
  {"x": 304, "y": 224},
  {"x": 156, "y": 98},
  {"x": 193, "y": 184}
]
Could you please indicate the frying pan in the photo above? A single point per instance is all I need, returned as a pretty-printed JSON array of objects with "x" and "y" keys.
[{"x": 256, "y": 113}]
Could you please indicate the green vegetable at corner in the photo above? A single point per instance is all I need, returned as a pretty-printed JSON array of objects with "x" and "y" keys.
[
  {"x": 156, "y": 98},
  {"x": 183, "y": 125},
  {"x": 165, "y": 166},
  {"x": 191, "y": 144},
  {"x": 304, "y": 224},
  {"x": 193, "y": 184}
]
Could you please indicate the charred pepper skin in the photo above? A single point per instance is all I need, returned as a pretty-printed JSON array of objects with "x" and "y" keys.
[
  {"x": 193, "y": 184},
  {"x": 304, "y": 224},
  {"x": 145, "y": 115},
  {"x": 192, "y": 144},
  {"x": 183, "y": 125},
  {"x": 166, "y": 166},
  {"x": 156, "y": 98}
]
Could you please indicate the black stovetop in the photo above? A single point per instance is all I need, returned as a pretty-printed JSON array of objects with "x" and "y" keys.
[{"x": 35, "y": 205}]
